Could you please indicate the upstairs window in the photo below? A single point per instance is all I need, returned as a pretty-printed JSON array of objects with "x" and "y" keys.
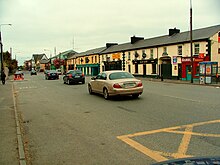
[
  {"x": 180, "y": 50},
  {"x": 218, "y": 37},
  {"x": 196, "y": 49},
  {"x": 152, "y": 53},
  {"x": 129, "y": 55}
]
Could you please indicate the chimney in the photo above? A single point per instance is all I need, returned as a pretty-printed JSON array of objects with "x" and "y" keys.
[
  {"x": 135, "y": 39},
  {"x": 173, "y": 31},
  {"x": 110, "y": 44}
]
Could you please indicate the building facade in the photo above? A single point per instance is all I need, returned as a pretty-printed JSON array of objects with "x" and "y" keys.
[{"x": 167, "y": 56}]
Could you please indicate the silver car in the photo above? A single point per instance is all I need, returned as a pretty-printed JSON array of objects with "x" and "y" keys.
[{"x": 113, "y": 83}]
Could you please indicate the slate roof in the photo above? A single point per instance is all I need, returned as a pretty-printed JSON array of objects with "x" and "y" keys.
[
  {"x": 68, "y": 53},
  {"x": 198, "y": 34},
  {"x": 90, "y": 52},
  {"x": 37, "y": 57}
]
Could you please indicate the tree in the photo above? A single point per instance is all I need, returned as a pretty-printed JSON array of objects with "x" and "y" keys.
[
  {"x": 8, "y": 62},
  {"x": 58, "y": 62}
]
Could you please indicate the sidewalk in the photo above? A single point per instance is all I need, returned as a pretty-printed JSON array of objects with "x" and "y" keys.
[
  {"x": 178, "y": 81},
  {"x": 8, "y": 138}
]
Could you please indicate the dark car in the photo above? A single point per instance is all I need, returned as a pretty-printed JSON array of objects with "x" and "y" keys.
[
  {"x": 74, "y": 76},
  {"x": 51, "y": 74},
  {"x": 33, "y": 72}
]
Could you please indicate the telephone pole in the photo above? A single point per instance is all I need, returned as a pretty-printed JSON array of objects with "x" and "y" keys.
[{"x": 191, "y": 42}]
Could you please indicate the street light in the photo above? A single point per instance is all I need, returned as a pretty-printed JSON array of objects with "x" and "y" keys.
[{"x": 1, "y": 57}]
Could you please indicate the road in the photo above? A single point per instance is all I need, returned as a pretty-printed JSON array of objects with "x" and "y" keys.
[{"x": 63, "y": 124}]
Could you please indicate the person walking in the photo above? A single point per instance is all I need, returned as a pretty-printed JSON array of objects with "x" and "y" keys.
[{"x": 3, "y": 77}]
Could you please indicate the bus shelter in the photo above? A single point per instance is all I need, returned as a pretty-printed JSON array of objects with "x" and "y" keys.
[{"x": 208, "y": 72}]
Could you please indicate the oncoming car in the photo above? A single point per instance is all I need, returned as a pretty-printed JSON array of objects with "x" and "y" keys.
[{"x": 113, "y": 83}]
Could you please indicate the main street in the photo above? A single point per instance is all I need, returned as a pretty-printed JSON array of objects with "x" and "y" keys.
[{"x": 63, "y": 124}]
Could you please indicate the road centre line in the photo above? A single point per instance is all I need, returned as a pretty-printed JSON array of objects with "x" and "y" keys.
[{"x": 182, "y": 98}]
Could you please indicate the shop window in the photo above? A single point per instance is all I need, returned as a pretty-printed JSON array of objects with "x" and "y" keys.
[
  {"x": 153, "y": 68},
  {"x": 196, "y": 49},
  {"x": 129, "y": 68},
  {"x": 180, "y": 50}
]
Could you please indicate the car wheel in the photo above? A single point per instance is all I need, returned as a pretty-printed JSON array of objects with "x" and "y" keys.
[
  {"x": 106, "y": 94},
  {"x": 68, "y": 82},
  {"x": 83, "y": 82},
  {"x": 90, "y": 89},
  {"x": 135, "y": 96}
]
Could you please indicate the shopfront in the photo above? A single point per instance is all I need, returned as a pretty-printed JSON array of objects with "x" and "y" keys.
[{"x": 187, "y": 72}]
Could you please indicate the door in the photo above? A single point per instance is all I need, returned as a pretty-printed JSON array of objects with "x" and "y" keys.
[
  {"x": 144, "y": 69},
  {"x": 188, "y": 72},
  {"x": 179, "y": 71}
]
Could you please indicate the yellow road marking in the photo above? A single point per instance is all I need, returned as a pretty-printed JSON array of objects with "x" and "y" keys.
[
  {"x": 185, "y": 143},
  {"x": 143, "y": 149},
  {"x": 183, "y": 147}
]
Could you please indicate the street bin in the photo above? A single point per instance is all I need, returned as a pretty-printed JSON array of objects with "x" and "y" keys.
[{"x": 201, "y": 80}]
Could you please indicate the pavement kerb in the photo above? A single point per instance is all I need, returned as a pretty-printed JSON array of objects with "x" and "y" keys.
[
  {"x": 21, "y": 151},
  {"x": 177, "y": 82}
]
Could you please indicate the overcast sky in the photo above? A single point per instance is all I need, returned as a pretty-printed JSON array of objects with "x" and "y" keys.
[{"x": 46, "y": 24}]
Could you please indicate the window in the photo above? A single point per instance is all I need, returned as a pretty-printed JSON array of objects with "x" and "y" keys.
[
  {"x": 129, "y": 55},
  {"x": 92, "y": 59},
  {"x": 180, "y": 50},
  {"x": 95, "y": 59},
  {"x": 196, "y": 49},
  {"x": 153, "y": 68},
  {"x": 218, "y": 50},
  {"x": 129, "y": 68},
  {"x": 152, "y": 53}
]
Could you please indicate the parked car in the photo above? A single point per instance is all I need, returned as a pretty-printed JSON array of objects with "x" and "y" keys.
[
  {"x": 33, "y": 72},
  {"x": 74, "y": 76},
  {"x": 112, "y": 83},
  {"x": 59, "y": 71},
  {"x": 51, "y": 74}
]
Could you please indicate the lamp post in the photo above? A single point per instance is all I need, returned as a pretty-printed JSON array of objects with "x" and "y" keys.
[
  {"x": 191, "y": 45},
  {"x": 1, "y": 42}
]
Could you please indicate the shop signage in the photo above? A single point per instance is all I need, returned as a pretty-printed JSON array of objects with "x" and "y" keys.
[
  {"x": 116, "y": 56},
  {"x": 174, "y": 59},
  {"x": 186, "y": 60},
  {"x": 144, "y": 61}
]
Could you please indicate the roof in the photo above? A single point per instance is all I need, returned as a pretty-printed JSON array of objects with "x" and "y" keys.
[
  {"x": 90, "y": 52},
  {"x": 198, "y": 34},
  {"x": 68, "y": 53},
  {"x": 37, "y": 57}
]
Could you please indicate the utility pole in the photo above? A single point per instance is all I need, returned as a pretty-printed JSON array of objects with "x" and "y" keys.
[{"x": 191, "y": 42}]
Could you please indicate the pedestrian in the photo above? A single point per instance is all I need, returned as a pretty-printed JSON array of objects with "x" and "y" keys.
[{"x": 3, "y": 77}]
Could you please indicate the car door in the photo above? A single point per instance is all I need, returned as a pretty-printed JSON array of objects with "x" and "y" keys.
[
  {"x": 101, "y": 82},
  {"x": 95, "y": 83}
]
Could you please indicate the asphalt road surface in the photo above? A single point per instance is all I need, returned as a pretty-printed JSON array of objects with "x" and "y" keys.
[{"x": 64, "y": 124}]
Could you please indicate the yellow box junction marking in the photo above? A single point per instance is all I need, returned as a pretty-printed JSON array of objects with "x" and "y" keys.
[{"x": 183, "y": 147}]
